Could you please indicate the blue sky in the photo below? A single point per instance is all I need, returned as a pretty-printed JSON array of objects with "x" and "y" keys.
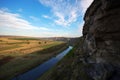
[{"x": 42, "y": 18}]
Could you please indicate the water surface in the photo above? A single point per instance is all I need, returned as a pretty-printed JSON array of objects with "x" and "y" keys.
[{"x": 39, "y": 70}]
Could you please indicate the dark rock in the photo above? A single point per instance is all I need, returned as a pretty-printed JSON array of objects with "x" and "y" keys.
[{"x": 101, "y": 34}]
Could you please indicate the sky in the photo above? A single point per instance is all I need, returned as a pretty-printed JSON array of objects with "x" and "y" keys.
[{"x": 42, "y": 18}]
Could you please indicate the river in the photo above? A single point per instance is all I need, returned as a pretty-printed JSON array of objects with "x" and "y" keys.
[{"x": 39, "y": 70}]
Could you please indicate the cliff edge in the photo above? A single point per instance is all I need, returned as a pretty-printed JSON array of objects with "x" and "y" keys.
[
  {"x": 96, "y": 55},
  {"x": 101, "y": 33}
]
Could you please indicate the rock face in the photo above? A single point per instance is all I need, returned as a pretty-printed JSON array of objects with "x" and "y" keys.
[{"x": 101, "y": 34}]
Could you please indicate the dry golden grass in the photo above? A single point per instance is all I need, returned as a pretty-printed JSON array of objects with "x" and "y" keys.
[
  {"x": 18, "y": 56},
  {"x": 21, "y": 47}
]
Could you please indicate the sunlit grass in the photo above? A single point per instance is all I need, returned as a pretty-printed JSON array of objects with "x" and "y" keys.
[{"x": 25, "y": 54}]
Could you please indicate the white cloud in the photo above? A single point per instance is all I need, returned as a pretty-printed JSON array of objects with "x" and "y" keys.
[
  {"x": 46, "y": 16},
  {"x": 80, "y": 28},
  {"x": 61, "y": 20},
  {"x": 13, "y": 20},
  {"x": 85, "y": 4},
  {"x": 66, "y": 11},
  {"x": 43, "y": 28}
]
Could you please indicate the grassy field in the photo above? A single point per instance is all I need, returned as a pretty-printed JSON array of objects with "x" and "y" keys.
[
  {"x": 18, "y": 55},
  {"x": 69, "y": 68}
]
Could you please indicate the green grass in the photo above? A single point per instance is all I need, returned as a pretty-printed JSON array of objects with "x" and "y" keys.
[
  {"x": 63, "y": 65},
  {"x": 16, "y": 43},
  {"x": 24, "y": 38},
  {"x": 70, "y": 54},
  {"x": 69, "y": 68},
  {"x": 24, "y": 63},
  {"x": 50, "y": 45}
]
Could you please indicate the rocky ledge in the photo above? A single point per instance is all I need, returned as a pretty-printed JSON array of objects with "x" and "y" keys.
[{"x": 101, "y": 33}]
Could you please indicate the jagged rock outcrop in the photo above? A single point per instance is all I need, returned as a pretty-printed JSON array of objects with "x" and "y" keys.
[{"x": 101, "y": 34}]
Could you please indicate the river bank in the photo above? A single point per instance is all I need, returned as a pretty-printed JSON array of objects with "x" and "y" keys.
[
  {"x": 20, "y": 65},
  {"x": 40, "y": 69},
  {"x": 69, "y": 68}
]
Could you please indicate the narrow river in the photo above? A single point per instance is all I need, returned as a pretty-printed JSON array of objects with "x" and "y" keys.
[{"x": 39, "y": 70}]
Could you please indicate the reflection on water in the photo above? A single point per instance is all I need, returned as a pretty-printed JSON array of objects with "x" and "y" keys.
[{"x": 39, "y": 70}]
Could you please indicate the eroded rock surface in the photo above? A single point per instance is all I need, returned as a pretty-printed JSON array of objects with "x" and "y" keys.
[{"x": 101, "y": 34}]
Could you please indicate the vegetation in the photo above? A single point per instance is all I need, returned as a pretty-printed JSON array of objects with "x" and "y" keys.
[
  {"x": 17, "y": 56},
  {"x": 24, "y": 38},
  {"x": 69, "y": 68}
]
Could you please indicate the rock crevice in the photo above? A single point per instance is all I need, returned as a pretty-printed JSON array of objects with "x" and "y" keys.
[{"x": 101, "y": 33}]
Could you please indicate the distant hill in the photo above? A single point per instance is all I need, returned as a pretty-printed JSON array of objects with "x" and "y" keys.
[{"x": 69, "y": 40}]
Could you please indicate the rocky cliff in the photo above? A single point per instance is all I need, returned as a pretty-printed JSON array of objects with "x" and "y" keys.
[
  {"x": 101, "y": 34},
  {"x": 97, "y": 54}
]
